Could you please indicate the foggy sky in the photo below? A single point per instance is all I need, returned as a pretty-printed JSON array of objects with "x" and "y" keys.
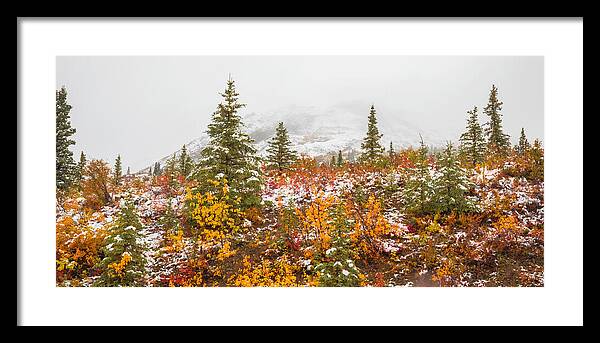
[{"x": 145, "y": 108}]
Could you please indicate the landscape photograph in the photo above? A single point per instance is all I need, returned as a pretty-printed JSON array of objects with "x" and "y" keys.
[{"x": 299, "y": 171}]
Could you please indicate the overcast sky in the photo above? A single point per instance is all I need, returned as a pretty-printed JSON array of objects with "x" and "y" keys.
[{"x": 144, "y": 108}]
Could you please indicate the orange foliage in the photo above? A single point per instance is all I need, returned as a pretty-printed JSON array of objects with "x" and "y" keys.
[
  {"x": 77, "y": 247},
  {"x": 96, "y": 184},
  {"x": 370, "y": 226},
  {"x": 316, "y": 221}
]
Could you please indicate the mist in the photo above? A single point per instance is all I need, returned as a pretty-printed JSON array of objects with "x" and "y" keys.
[{"x": 146, "y": 107}]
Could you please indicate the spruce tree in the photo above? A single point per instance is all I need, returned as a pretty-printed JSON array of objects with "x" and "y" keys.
[
  {"x": 280, "y": 155},
  {"x": 523, "y": 146},
  {"x": 340, "y": 160},
  {"x": 66, "y": 171},
  {"x": 230, "y": 152},
  {"x": 123, "y": 262},
  {"x": 497, "y": 141},
  {"x": 185, "y": 163},
  {"x": 451, "y": 184},
  {"x": 157, "y": 169},
  {"x": 372, "y": 150},
  {"x": 418, "y": 190},
  {"x": 337, "y": 268},
  {"x": 536, "y": 154},
  {"x": 128, "y": 171},
  {"x": 171, "y": 168},
  {"x": 332, "y": 162},
  {"x": 81, "y": 166},
  {"x": 391, "y": 152},
  {"x": 472, "y": 141},
  {"x": 117, "y": 173}
]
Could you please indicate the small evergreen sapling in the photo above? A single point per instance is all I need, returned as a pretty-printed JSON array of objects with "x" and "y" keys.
[
  {"x": 185, "y": 163},
  {"x": 81, "y": 167},
  {"x": 372, "y": 149},
  {"x": 124, "y": 263},
  {"x": 337, "y": 269},
  {"x": 451, "y": 184},
  {"x": 523, "y": 146},
  {"x": 472, "y": 141},
  {"x": 117, "y": 173},
  {"x": 418, "y": 190},
  {"x": 280, "y": 154}
]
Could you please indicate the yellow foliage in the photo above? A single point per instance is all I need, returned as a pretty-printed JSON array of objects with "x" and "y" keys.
[
  {"x": 77, "y": 245},
  {"x": 210, "y": 212},
  {"x": 280, "y": 273},
  {"x": 448, "y": 271},
  {"x": 434, "y": 226},
  {"x": 317, "y": 219},
  {"x": 175, "y": 242},
  {"x": 369, "y": 227},
  {"x": 507, "y": 224},
  {"x": 119, "y": 268},
  {"x": 225, "y": 251}
]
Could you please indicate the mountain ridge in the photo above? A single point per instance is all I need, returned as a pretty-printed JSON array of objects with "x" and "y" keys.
[{"x": 319, "y": 132}]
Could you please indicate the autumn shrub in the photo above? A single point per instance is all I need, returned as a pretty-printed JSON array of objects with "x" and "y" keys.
[
  {"x": 96, "y": 184},
  {"x": 254, "y": 215},
  {"x": 369, "y": 227},
  {"x": 529, "y": 165},
  {"x": 289, "y": 232},
  {"x": 185, "y": 275},
  {"x": 496, "y": 204},
  {"x": 449, "y": 272},
  {"x": 266, "y": 273},
  {"x": 78, "y": 248},
  {"x": 316, "y": 221},
  {"x": 214, "y": 211}
]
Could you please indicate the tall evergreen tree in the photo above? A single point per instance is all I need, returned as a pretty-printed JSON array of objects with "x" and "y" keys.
[
  {"x": 230, "y": 152},
  {"x": 372, "y": 150},
  {"x": 523, "y": 146},
  {"x": 185, "y": 163},
  {"x": 451, "y": 183},
  {"x": 418, "y": 190},
  {"x": 340, "y": 160},
  {"x": 332, "y": 162},
  {"x": 128, "y": 171},
  {"x": 118, "y": 172},
  {"x": 391, "y": 152},
  {"x": 498, "y": 142},
  {"x": 280, "y": 155},
  {"x": 157, "y": 169},
  {"x": 472, "y": 141},
  {"x": 66, "y": 170}
]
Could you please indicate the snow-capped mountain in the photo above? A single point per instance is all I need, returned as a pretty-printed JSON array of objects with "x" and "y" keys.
[{"x": 319, "y": 132}]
